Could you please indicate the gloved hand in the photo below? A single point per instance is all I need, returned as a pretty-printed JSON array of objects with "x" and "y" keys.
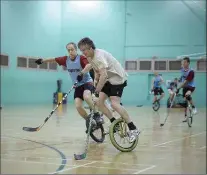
[
  {"x": 80, "y": 77},
  {"x": 177, "y": 92},
  {"x": 39, "y": 61},
  {"x": 96, "y": 94}
]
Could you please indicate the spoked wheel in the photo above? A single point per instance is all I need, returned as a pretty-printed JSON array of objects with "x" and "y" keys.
[
  {"x": 189, "y": 116},
  {"x": 119, "y": 138},
  {"x": 156, "y": 106},
  {"x": 97, "y": 131}
]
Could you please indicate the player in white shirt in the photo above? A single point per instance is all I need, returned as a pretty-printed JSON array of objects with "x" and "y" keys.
[{"x": 110, "y": 80}]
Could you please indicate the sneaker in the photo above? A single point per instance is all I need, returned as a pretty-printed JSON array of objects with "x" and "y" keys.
[
  {"x": 98, "y": 118},
  {"x": 194, "y": 111},
  {"x": 133, "y": 135},
  {"x": 185, "y": 119}
]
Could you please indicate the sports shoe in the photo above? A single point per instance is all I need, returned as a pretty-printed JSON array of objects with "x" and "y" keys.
[
  {"x": 133, "y": 135},
  {"x": 194, "y": 111},
  {"x": 98, "y": 118}
]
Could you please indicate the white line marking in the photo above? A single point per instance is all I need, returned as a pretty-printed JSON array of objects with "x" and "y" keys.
[
  {"x": 72, "y": 167},
  {"x": 140, "y": 171},
  {"x": 179, "y": 139},
  {"x": 125, "y": 163},
  {"x": 109, "y": 168}
]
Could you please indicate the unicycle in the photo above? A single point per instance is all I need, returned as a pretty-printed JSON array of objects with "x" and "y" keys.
[
  {"x": 189, "y": 114},
  {"x": 156, "y": 104},
  {"x": 97, "y": 130},
  {"x": 118, "y": 131}
]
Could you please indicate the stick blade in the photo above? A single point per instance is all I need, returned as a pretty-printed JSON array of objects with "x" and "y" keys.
[
  {"x": 29, "y": 129},
  {"x": 80, "y": 156}
]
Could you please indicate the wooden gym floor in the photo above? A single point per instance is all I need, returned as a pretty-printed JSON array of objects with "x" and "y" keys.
[{"x": 175, "y": 148}]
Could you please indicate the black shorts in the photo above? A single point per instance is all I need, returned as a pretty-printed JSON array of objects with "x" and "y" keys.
[
  {"x": 80, "y": 90},
  {"x": 158, "y": 91},
  {"x": 113, "y": 90},
  {"x": 186, "y": 89}
]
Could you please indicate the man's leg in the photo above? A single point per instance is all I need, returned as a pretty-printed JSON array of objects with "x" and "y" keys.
[
  {"x": 87, "y": 96},
  {"x": 162, "y": 94},
  {"x": 79, "y": 106},
  {"x": 103, "y": 108},
  {"x": 155, "y": 95},
  {"x": 189, "y": 98},
  {"x": 115, "y": 97}
]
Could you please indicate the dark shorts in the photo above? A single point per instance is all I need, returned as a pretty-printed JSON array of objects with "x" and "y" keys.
[
  {"x": 114, "y": 90},
  {"x": 80, "y": 90},
  {"x": 186, "y": 89},
  {"x": 158, "y": 91}
]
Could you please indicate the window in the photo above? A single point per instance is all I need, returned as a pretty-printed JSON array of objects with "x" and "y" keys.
[
  {"x": 31, "y": 63},
  {"x": 145, "y": 65},
  {"x": 131, "y": 65},
  {"x": 174, "y": 65},
  {"x": 53, "y": 66},
  {"x": 43, "y": 66},
  {"x": 201, "y": 65},
  {"x": 21, "y": 62},
  {"x": 4, "y": 61},
  {"x": 160, "y": 65}
]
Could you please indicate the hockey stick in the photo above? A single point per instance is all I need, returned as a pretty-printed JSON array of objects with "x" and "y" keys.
[
  {"x": 83, "y": 155},
  {"x": 30, "y": 129},
  {"x": 168, "y": 110}
]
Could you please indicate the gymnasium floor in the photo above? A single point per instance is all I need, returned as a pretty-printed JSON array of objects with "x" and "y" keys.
[{"x": 176, "y": 148}]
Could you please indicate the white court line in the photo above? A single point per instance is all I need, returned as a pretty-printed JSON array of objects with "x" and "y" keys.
[
  {"x": 202, "y": 147},
  {"x": 125, "y": 163},
  {"x": 72, "y": 168},
  {"x": 143, "y": 170},
  {"x": 110, "y": 168},
  {"x": 179, "y": 139}
]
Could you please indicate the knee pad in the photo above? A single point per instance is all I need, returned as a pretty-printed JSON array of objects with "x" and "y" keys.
[{"x": 188, "y": 97}]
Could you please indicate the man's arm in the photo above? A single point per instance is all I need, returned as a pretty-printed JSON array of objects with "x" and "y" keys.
[
  {"x": 188, "y": 79},
  {"x": 96, "y": 78},
  {"x": 87, "y": 68},
  {"x": 60, "y": 60},
  {"x": 102, "y": 79},
  {"x": 48, "y": 60}
]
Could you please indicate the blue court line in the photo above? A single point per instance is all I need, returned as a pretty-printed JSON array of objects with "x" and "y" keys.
[{"x": 63, "y": 157}]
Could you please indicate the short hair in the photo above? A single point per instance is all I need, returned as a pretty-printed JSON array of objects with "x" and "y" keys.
[
  {"x": 72, "y": 43},
  {"x": 176, "y": 79},
  {"x": 187, "y": 59},
  {"x": 86, "y": 41}
]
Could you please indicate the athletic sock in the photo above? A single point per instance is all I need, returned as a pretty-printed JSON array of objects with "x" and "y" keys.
[
  {"x": 131, "y": 126},
  {"x": 112, "y": 119}
]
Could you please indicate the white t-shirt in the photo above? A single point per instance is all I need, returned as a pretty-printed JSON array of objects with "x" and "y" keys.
[{"x": 115, "y": 72}]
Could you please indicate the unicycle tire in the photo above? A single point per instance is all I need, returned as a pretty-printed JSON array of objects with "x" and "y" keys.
[
  {"x": 94, "y": 129},
  {"x": 96, "y": 139},
  {"x": 156, "y": 106},
  {"x": 189, "y": 117},
  {"x": 113, "y": 141}
]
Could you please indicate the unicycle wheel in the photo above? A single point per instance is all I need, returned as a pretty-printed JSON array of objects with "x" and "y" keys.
[
  {"x": 156, "y": 106},
  {"x": 97, "y": 131},
  {"x": 189, "y": 117},
  {"x": 118, "y": 130}
]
